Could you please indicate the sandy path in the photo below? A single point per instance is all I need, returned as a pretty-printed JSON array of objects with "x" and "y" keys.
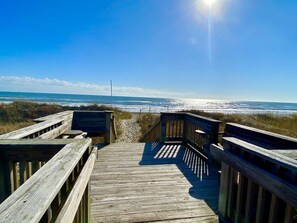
[{"x": 131, "y": 130}]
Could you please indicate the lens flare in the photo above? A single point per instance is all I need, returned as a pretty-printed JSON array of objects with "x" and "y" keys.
[{"x": 210, "y": 2}]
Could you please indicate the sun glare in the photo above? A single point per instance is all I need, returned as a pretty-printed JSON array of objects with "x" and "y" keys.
[{"x": 210, "y": 2}]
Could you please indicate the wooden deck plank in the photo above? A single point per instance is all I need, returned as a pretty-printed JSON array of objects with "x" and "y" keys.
[{"x": 140, "y": 183}]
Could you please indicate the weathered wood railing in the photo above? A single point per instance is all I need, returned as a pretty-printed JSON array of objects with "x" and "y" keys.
[
  {"x": 44, "y": 179},
  {"x": 58, "y": 191},
  {"x": 49, "y": 128},
  {"x": 193, "y": 130},
  {"x": 200, "y": 132},
  {"x": 20, "y": 159},
  {"x": 258, "y": 182}
]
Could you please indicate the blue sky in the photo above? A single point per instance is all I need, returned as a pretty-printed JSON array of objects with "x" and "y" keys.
[{"x": 151, "y": 48}]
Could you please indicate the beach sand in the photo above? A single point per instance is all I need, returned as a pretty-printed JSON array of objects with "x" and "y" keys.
[{"x": 131, "y": 131}]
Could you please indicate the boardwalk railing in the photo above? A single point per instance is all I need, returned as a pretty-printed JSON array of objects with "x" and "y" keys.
[
  {"x": 193, "y": 130},
  {"x": 258, "y": 176},
  {"x": 46, "y": 179},
  {"x": 46, "y": 128},
  {"x": 59, "y": 190}
]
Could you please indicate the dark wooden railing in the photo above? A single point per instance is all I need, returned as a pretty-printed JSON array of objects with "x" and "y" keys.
[
  {"x": 258, "y": 176},
  {"x": 193, "y": 130},
  {"x": 200, "y": 132}
]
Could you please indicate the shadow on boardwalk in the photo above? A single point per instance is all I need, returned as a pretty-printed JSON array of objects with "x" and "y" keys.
[{"x": 203, "y": 178}]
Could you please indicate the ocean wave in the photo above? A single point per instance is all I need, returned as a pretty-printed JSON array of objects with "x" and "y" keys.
[{"x": 137, "y": 104}]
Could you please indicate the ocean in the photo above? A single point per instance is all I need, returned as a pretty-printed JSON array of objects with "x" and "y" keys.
[{"x": 154, "y": 105}]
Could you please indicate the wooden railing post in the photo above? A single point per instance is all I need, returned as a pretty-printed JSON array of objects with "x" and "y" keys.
[
  {"x": 215, "y": 132},
  {"x": 163, "y": 128},
  {"x": 224, "y": 190},
  {"x": 108, "y": 123},
  {"x": 185, "y": 132},
  {"x": 5, "y": 188}
]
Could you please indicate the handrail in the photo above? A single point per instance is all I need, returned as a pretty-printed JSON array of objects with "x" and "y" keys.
[
  {"x": 64, "y": 115},
  {"x": 268, "y": 139},
  {"x": 40, "y": 197},
  {"x": 183, "y": 127},
  {"x": 269, "y": 181},
  {"x": 38, "y": 129},
  {"x": 43, "y": 179},
  {"x": 258, "y": 182},
  {"x": 47, "y": 127},
  {"x": 71, "y": 205},
  {"x": 193, "y": 130}
]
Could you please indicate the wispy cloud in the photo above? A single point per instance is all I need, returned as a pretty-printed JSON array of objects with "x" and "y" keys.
[
  {"x": 193, "y": 40},
  {"x": 31, "y": 84}
]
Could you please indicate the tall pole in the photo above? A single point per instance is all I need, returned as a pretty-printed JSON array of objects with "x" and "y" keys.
[
  {"x": 111, "y": 92},
  {"x": 110, "y": 88}
]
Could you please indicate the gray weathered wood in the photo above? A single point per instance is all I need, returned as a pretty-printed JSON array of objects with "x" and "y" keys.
[
  {"x": 270, "y": 155},
  {"x": 30, "y": 149},
  {"x": 260, "y": 137},
  {"x": 55, "y": 132},
  {"x": 24, "y": 132},
  {"x": 126, "y": 185},
  {"x": 71, "y": 205},
  {"x": 224, "y": 188},
  {"x": 66, "y": 115},
  {"x": 38, "y": 192},
  {"x": 287, "y": 192}
]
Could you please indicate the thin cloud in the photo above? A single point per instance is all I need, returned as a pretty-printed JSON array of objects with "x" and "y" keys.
[
  {"x": 27, "y": 83},
  {"x": 194, "y": 41}
]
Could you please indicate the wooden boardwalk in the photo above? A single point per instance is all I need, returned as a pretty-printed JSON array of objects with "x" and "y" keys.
[{"x": 152, "y": 183}]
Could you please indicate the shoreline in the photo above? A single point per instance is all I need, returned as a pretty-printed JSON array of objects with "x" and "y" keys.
[{"x": 153, "y": 105}]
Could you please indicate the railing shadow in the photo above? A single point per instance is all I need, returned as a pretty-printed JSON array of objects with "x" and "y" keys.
[{"x": 203, "y": 178}]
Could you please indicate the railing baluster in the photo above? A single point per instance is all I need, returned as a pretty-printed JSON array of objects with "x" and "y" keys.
[{"x": 22, "y": 172}]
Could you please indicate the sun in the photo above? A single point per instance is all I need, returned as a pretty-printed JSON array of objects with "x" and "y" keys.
[{"x": 210, "y": 2}]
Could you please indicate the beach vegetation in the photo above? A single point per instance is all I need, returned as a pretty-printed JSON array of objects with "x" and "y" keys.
[
  {"x": 20, "y": 114},
  {"x": 285, "y": 124},
  {"x": 146, "y": 120}
]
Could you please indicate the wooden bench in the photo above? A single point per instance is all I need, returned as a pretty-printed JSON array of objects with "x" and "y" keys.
[{"x": 94, "y": 123}]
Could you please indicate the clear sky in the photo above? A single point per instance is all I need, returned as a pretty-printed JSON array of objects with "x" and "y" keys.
[{"x": 232, "y": 49}]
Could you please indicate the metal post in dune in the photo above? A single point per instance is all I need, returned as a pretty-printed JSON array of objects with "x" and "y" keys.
[{"x": 111, "y": 92}]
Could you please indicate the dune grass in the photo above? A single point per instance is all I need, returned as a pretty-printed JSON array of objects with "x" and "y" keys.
[
  {"x": 145, "y": 121},
  {"x": 9, "y": 127},
  {"x": 285, "y": 124},
  {"x": 20, "y": 114}
]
